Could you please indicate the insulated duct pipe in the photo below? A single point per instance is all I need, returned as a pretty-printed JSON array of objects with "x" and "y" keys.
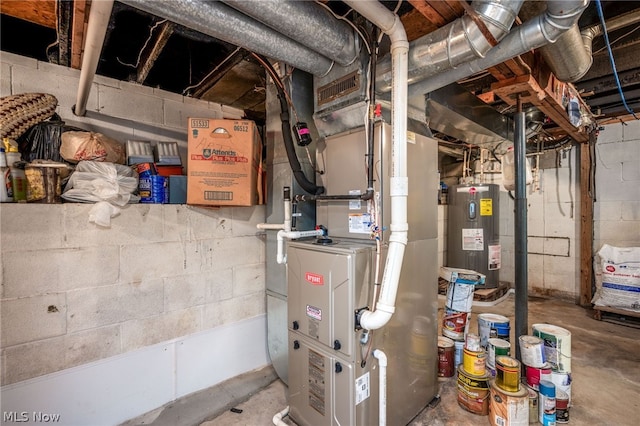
[
  {"x": 225, "y": 23},
  {"x": 560, "y": 16},
  {"x": 588, "y": 34},
  {"x": 390, "y": 24},
  {"x": 457, "y": 42},
  {"x": 293, "y": 18},
  {"x": 99, "y": 16},
  {"x": 567, "y": 57}
]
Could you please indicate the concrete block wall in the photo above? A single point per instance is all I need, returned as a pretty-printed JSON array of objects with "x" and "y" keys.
[
  {"x": 616, "y": 208},
  {"x": 74, "y": 294}
]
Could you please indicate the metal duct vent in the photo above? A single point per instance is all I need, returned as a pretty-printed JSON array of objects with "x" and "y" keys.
[{"x": 339, "y": 88}]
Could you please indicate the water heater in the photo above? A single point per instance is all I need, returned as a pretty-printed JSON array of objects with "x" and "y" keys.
[{"x": 473, "y": 230}]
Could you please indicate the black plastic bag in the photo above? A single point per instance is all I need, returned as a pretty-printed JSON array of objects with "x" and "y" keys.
[{"x": 42, "y": 141}]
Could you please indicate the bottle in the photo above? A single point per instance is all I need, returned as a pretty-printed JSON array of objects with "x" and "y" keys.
[
  {"x": 6, "y": 190},
  {"x": 16, "y": 166}
]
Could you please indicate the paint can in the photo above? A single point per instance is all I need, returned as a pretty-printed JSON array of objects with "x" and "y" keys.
[
  {"x": 547, "y": 403},
  {"x": 508, "y": 408},
  {"x": 562, "y": 382},
  {"x": 495, "y": 348},
  {"x": 459, "y": 349},
  {"x": 492, "y": 325},
  {"x": 421, "y": 346},
  {"x": 532, "y": 351},
  {"x": 562, "y": 407},
  {"x": 535, "y": 375},
  {"x": 557, "y": 346},
  {"x": 508, "y": 373},
  {"x": 473, "y": 362},
  {"x": 533, "y": 405},
  {"x": 473, "y": 392},
  {"x": 445, "y": 357},
  {"x": 455, "y": 324},
  {"x": 460, "y": 296},
  {"x": 472, "y": 342}
]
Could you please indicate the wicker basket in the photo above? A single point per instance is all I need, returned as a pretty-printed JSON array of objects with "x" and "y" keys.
[{"x": 19, "y": 112}]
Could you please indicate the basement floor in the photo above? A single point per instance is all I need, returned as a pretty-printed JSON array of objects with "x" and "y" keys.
[{"x": 605, "y": 372}]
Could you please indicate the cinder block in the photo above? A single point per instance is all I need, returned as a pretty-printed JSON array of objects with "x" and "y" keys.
[
  {"x": 631, "y": 131},
  {"x": 631, "y": 212},
  {"x": 136, "y": 224},
  {"x": 232, "y": 113},
  {"x": 535, "y": 244},
  {"x": 219, "y": 285},
  {"x": 209, "y": 223},
  {"x": 159, "y": 328},
  {"x": 559, "y": 246},
  {"x": 248, "y": 279},
  {"x": 608, "y": 210},
  {"x": 33, "y": 360},
  {"x": 45, "y": 271},
  {"x": 5, "y": 79},
  {"x": 184, "y": 291},
  {"x": 91, "y": 345},
  {"x": 132, "y": 106},
  {"x": 559, "y": 220},
  {"x": 33, "y": 318},
  {"x": 245, "y": 219},
  {"x": 560, "y": 273},
  {"x": 610, "y": 134},
  {"x": 18, "y": 60},
  {"x": 613, "y": 230},
  {"x": 158, "y": 260},
  {"x": 631, "y": 170},
  {"x": 559, "y": 185},
  {"x": 27, "y": 227},
  {"x": 535, "y": 266},
  {"x": 611, "y": 154},
  {"x": 232, "y": 310},
  {"x": 177, "y": 113},
  {"x": 100, "y": 306},
  {"x": 535, "y": 225},
  {"x": 223, "y": 253},
  {"x": 616, "y": 191}
]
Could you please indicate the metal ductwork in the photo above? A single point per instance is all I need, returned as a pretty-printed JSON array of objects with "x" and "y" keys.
[
  {"x": 330, "y": 37},
  {"x": 567, "y": 57},
  {"x": 457, "y": 42},
  {"x": 546, "y": 28},
  {"x": 228, "y": 24}
]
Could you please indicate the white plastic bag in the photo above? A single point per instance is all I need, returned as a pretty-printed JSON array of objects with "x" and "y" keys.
[
  {"x": 509, "y": 170},
  {"x": 109, "y": 185}
]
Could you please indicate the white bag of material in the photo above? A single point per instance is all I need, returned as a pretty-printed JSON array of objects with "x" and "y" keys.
[
  {"x": 617, "y": 271},
  {"x": 509, "y": 170}
]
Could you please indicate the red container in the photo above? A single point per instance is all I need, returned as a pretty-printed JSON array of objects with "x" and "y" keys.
[{"x": 169, "y": 170}]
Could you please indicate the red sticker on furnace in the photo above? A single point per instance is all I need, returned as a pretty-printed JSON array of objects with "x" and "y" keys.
[{"x": 315, "y": 279}]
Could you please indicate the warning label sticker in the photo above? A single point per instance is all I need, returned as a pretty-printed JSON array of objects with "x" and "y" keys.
[
  {"x": 473, "y": 239},
  {"x": 315, "y": 313},
  {"x": 362, "y": 388},
  {"x": 359, "y": 223},
  {"x": 486, "y": 207}
]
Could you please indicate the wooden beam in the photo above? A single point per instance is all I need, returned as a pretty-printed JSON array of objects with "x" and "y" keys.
[
  {"x": 586, "y": 222},
  {"x": 78, "y": 28},
  {"x": 416, "y": 24},
  {"x": 206, "y": 85},
  {"x": 432, "y": 15},
  {"x": 152, "y": 50},
  {"x": 65, "y": 18},
  {"x": 40, "y": 12}
]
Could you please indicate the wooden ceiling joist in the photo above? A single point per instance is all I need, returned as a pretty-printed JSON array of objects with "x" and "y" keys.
[{"x": 153, "y": 49}]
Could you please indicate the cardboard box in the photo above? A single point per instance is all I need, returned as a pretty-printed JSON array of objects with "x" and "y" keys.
[{"x": 224, "y": 163}]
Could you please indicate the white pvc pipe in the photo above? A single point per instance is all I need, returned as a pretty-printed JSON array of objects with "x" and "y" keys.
[
  {"x": 99, "y": 16},
  {"x": 390, "y": 24},
  {"x": 281, "y": 257},
  {"x": 382, "y": 408},
  {"x": 277, "y": 419}
]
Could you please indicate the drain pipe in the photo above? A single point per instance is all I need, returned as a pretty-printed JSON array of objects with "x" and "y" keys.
[
  {"x": 382, "y": 404},
  {"x": 559, "y": 17},
  {"x": 277, "y": 419},
  {"x": 520, "y": 228},
  {"x": 390, "y": 24},
  {"x": 96, "y": 31}
]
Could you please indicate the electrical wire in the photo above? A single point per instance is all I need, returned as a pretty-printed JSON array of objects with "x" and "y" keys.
[
  {"x": 618, "y": 39},
  {"x": 613, "y": 62},
  {"x": 144, "y": 46}
]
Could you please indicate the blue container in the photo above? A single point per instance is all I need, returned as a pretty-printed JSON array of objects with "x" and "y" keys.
[
  {"x": 547, "y": 403},
  {"x": 153, "y": 189}
]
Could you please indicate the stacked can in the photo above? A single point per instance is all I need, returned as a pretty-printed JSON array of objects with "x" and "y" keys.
[
  {"x": 509, "y": 402},
  {"x": 457, "y": 310},
  {"x": 473, "y": 380},
  {"x": 537, "y": 370}
]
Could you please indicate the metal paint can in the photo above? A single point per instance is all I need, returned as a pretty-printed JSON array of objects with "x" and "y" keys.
[
  {"x": 459, "y": 349},
  {"x": 472, "y": 342},
  {"x": 562, "y": 382},
  {"x": 508, "y": 373},
  {"x": 492, "y": 325},
  {"x": 495, "y": 348},
  {"x": 533, "y": 405},
  {"x": 455, "y": 324},
  {"x": 562, "y": 407},
  {"x": 460, "y": 296},
  {"x": 547, "y": 403},
  {"x": 508, "y": 408},
  {"x": 535, "y": 375},
  {"x": 557, "y": 346},
  {"x": 473, "y": 392},
  {"x": 532, "y": 351},
  {"x": 474, "y": 362},
  {"x": 446, "y": 351}
]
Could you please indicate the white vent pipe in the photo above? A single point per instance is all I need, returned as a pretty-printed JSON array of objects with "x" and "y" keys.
[
  {"x": 382, "y": 386},
  {"x": 99, "y": 16},
  {"x": 390, "y": 24}
]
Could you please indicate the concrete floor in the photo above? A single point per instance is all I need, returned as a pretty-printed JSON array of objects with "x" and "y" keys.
[{"x": 605, "y": 372}]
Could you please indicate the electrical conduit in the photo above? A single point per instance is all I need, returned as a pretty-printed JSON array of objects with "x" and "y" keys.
[{"x": 390, "y": 24}]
